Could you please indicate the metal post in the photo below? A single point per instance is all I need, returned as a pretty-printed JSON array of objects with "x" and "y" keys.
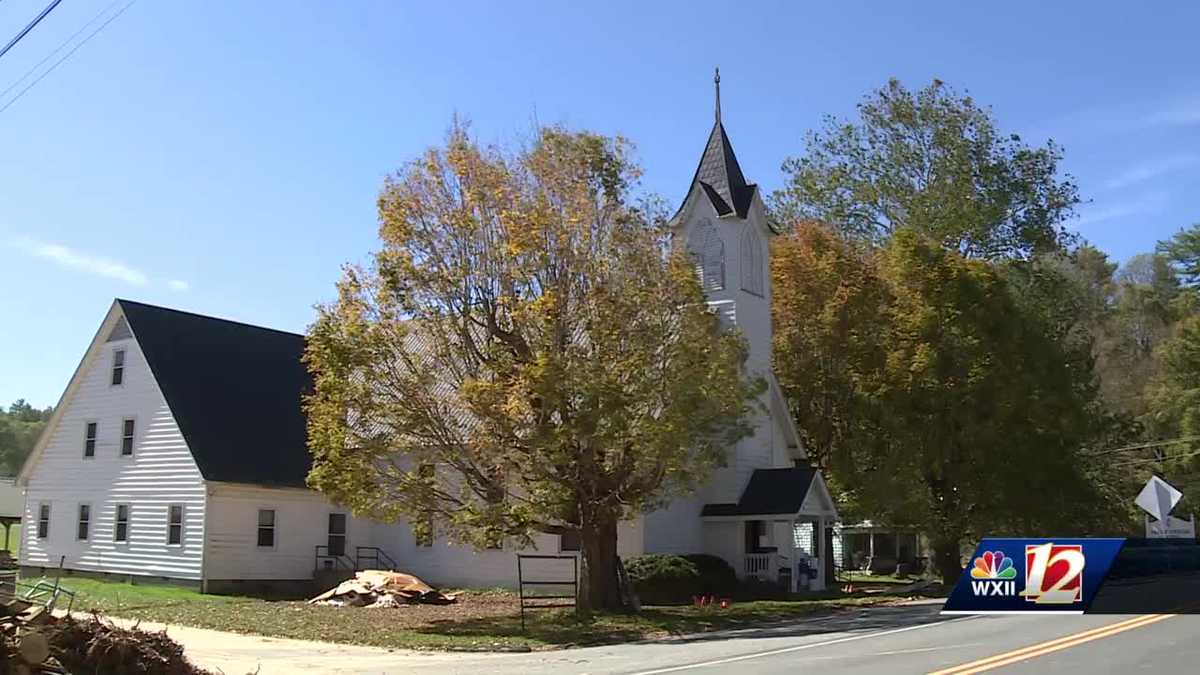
[{"x": 521, "y": 592}]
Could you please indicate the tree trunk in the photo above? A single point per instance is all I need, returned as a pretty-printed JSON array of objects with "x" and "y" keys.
[
  {"x": 599, "y": 589},
  {"x": 947, "y": 558}
]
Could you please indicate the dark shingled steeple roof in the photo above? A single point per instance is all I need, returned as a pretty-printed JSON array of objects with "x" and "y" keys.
[
  {"x": 719, "y": 174},
  {"x": 721, "y": 177},
  {"x": 234, "y": 389}
]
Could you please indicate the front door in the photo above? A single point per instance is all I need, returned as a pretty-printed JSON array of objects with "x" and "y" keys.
[{"x": 337, "y": 534}]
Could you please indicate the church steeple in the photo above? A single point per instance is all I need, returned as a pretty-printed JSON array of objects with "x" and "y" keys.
[
  {"x": 718, "y": 173},
  {"x": 717, "y": 84}
]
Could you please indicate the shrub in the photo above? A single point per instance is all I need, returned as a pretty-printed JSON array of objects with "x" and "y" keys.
[
  {"x": 716, "y": 576},
  {"x": 663, "y": 579}
]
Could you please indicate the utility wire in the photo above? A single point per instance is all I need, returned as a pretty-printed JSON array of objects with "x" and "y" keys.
[
  {"x": 36, "y": 20},
  {"x": 1154, "y": 460},
  {"x": 58, "y": 49},
  {"x": 66, "y": 56},
  {"x": 1142, "y": 446}
]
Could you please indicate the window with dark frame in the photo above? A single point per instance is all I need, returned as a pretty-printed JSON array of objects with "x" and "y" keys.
[
  {"x": 569, "y": 542},
  {"x": 118, "y": 367},
  {"x": 337, "y": 534},
  {"x": 175, "y": 524},
  {"x": 89, "y": 440},
  {"x": 121, "y": 529},
  {"x": 85, "y": 522},
  {"x": 127, "y": 428},
  {"x": 43, "y": 524},
  {"x": 266, "y": 528}
]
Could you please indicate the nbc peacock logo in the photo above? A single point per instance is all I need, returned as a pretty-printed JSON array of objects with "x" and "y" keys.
[{"x": 993, "y": 574}]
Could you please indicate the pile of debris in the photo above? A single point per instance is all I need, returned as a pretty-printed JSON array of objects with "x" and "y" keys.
[
  {"x": 99, "y": 647},
  {"x": 41, "y": 644},
  {"x": 379, "y": 588}
]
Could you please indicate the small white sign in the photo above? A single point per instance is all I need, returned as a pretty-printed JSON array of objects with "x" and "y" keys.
[
  {"x": 1158, "y": 497},
  {"x": 1171, "y": 528}
]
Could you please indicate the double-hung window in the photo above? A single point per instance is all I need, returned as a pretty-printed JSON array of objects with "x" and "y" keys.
[
  {"x": 89, "y": 440},
  {"x": 175, "y": 524},
  {"x": 121, "y": 528},
  {"x": 85, "y": 522},
  {"x": 266, "y": 528},
  {"x": 127, "y": 429},
  {"x": 118, "y": 367},
  {"x": 43, "y": 522}
]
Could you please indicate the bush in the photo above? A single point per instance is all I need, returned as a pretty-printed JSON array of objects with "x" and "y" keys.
[
  {"x": 663, "y": 579},
  {"x": 716, "y": 576}
]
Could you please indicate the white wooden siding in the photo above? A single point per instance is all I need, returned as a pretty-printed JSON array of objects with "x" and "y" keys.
[
  {"x": 301, "y": 524},
  {"x": 455, "y": 566},
  {"x": 161, "y": 472},
  {"x": 677, "y": 528}
]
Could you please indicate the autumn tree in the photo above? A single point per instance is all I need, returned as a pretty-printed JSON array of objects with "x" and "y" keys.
[
  {"x": 525, "y": 353},
  {"x": 935, "y": 400}
]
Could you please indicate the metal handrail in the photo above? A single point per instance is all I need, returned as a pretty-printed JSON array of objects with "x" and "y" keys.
[
  {"x": 338, "y": 560},
  {"x": 377, "y": 554}
]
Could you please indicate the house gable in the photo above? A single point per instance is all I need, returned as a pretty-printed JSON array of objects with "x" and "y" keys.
[{"x": 157, "y": 472}]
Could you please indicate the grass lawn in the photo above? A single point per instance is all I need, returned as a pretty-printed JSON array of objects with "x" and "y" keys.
[
  {"x": 482, "y": 619},
  {"x": 863, "y": 578}
]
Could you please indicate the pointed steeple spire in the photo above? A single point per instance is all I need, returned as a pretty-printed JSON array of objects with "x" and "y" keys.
[
  {"x": 717, "y": 84},
  {"x": 719, "y": 174}
]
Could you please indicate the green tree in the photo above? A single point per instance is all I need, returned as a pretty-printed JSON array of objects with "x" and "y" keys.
[
  {"x": 20, "y": 428},
  {"x": 934, "y": 161},
  {"x": 525, "y": 354},
  {"x": 956, "y": 412},
  {"x": 1183, "y": 251}
]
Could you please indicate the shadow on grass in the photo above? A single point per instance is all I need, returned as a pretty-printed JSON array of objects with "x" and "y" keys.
[{"x": 562, "y": 628}]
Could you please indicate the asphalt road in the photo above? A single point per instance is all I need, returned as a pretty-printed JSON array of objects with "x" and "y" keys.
[
  {"x": 891, "y": 640},
  {"x": 895, "y": 641}
]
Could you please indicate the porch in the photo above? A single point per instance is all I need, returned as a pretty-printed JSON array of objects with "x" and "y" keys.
[{"x": 783, "y": 524}]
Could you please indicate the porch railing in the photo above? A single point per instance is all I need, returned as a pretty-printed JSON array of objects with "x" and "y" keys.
[{"x": 760, "y": 565}]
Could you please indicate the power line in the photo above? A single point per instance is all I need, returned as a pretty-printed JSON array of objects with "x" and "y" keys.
[
  {"x": 66, "y": 56},
  {"x": 36, "y": 20},
  {"x": 1142, "y": 446},
  {"x": 58, "y": 49},
  {"x": 1154, "y": 460}
]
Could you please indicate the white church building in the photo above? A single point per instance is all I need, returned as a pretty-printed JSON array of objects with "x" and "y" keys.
[{"x": 178, "y": 450}]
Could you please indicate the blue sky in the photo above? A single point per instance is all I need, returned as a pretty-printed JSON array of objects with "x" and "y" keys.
[{"x": 224, "y": 157}]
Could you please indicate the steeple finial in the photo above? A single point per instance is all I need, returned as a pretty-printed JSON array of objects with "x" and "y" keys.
[{"x": 717, "y": 83}]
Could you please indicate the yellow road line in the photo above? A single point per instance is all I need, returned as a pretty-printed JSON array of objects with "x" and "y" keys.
[{"x": 1043, "y": 648}]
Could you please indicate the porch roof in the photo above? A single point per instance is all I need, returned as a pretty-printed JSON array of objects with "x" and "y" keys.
[{"x": 769, "y": 492}]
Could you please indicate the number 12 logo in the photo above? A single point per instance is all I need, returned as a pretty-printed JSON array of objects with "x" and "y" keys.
[{"x": 1053, "y": 573}]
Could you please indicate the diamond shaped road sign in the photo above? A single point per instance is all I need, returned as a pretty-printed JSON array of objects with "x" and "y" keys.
[{"x": 1158, "y": 498}]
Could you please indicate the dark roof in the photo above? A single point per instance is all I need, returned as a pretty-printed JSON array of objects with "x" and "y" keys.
[
  {"x": 720, "y": 176},
  {"x": 769, "y": 492},
  {"x": 234, "y": 389}
]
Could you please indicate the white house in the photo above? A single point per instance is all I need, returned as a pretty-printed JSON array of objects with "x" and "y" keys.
[{"x": 178, "y": 449}]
